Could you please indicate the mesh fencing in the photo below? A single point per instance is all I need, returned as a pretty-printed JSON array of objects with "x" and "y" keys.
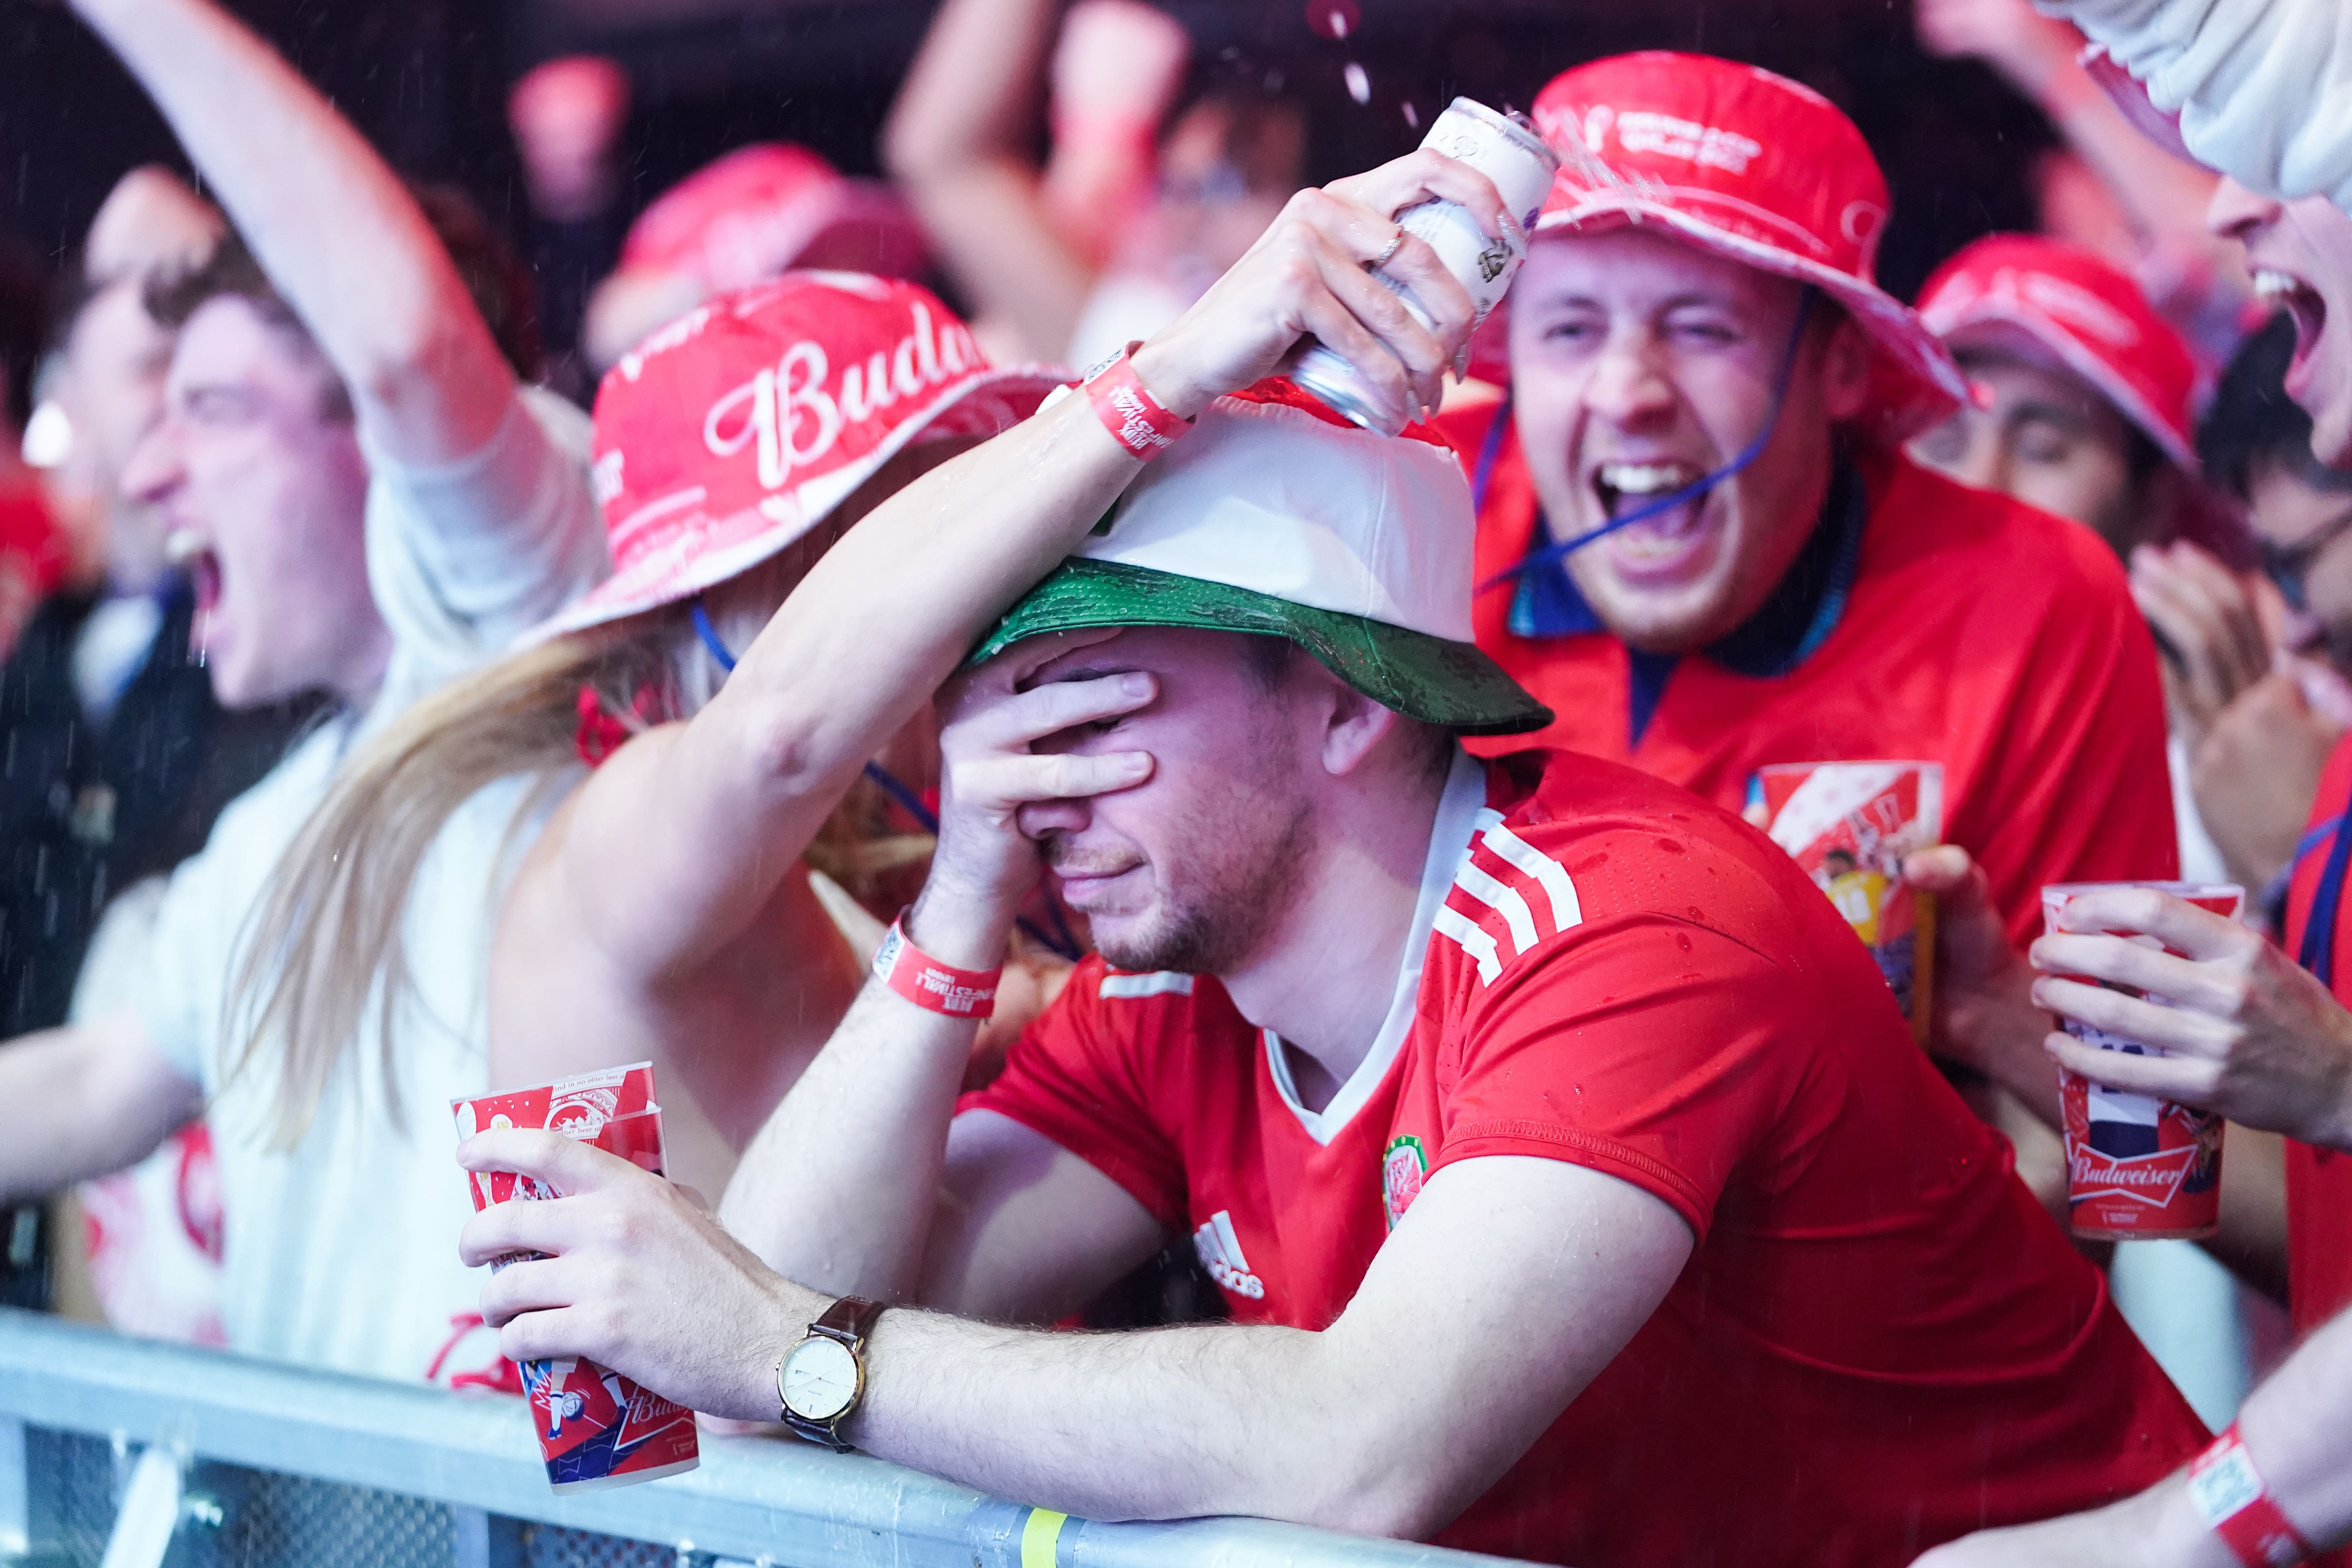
[{"x": 272, "y": 1520}]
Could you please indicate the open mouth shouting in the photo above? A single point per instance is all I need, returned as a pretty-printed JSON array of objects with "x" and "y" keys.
[
  {"x": 1668, "y": 544},
  {"x": 186, "y": 549},
  {"x": 2303, "y": 303}
]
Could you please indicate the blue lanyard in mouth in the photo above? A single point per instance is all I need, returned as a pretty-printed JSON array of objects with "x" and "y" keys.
[
  {"x": 1699, "y": 487},
  {"x": 1063, "y": 942}
]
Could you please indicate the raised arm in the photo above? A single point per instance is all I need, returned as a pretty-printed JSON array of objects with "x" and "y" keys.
[
  {"x": 331, "y": 224},
  {"x": 957, "y": 143},
  {"x": 83, "y": 1101},
  {"x": 655, "y": 856}
]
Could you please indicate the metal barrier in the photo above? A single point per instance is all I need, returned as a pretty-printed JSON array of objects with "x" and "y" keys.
[{"x": 135, "y": 1454}]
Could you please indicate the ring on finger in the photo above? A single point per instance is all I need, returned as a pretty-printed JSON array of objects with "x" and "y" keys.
[{"x": 1396, "y": 243}]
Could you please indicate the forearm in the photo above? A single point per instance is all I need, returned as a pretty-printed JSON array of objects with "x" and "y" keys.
[
  {"x": 974, "y": 89},
  {"x": 959, "y": 142},
  {"x": 331, "y": 225},
  {"x": 839, "y": 1188},
  {"x": 2162, "y": 195},
  {"x": 819, "y": 691},
  {"x": 1169, "y": 1424},
  {"x": 2297, "y": 1428},
  {"x": 81, "y": 1101}
]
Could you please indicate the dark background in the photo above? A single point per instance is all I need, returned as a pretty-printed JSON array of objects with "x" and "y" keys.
[{"x": 426, "y": 79}]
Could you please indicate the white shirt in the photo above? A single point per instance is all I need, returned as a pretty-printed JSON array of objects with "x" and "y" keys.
[
  {"x": 2263, "y": 88},
  {"x": 341, "y": 1252}
]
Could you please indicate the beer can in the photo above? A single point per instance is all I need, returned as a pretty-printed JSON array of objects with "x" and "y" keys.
[
  {"x": 1505, "y": 149},
  {"x": 2138, "y": 1168},
  {"x": 596, "y": 1428},
  {"x": 1849, "y": 826}
]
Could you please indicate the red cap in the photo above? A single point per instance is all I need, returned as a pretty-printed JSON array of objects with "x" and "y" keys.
[
  {"x": 1750, "y": 165},
  {"x": 2078, "y": 309},
  {"x": 732, "y": 431},
  {"x": 763, "y": 208}
]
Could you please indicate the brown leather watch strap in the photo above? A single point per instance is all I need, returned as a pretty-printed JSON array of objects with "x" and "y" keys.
[{"x": 849, "y": 1320}]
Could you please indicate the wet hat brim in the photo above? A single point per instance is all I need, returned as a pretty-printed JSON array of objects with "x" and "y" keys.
[{"x": 1433, "y": 679}]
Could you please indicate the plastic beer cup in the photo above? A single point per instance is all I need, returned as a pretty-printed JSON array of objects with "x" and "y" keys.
[
  {"x": 2138, "y": 1168},
  {"x": 596, "y": 1428}
]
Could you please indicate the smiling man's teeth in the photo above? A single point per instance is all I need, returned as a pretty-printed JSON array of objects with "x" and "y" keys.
[{"x": 1643, "y": 478}]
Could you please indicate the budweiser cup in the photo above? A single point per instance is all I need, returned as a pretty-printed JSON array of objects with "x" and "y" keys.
[
  {"x": 596, "y": 1428},
  {"x": 2137, "y": 1168},
  {"x": 1850, "y": 825},
  {"x": 1506, "y": 150}
]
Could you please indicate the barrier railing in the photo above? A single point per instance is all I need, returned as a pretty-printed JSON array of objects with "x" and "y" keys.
[{"x": 138, "y": 1454}]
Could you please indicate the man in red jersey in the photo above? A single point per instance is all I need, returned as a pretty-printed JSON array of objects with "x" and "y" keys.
[
  {"x": 1696, "y": 339},
  {"x": 1566, "y": 1166}
]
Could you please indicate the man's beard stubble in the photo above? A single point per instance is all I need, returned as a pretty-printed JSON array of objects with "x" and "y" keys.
[{"x": 1221, "y": 925}]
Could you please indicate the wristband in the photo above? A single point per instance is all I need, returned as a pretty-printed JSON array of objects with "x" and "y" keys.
[
  {"x": 1135, "y": 420},
  {"x": 927, "y": 983},
  {"x": 2230, "y": 1495}
]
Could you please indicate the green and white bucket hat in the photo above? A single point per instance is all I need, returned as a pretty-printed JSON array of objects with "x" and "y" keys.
[{"x": 1276, "y": 517}]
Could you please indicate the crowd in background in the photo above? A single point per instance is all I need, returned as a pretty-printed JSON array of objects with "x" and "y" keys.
[{"x": 380, "y": 727}]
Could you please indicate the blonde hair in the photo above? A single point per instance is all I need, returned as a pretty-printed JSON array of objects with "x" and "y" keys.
[{"x": 327, "y": 941}]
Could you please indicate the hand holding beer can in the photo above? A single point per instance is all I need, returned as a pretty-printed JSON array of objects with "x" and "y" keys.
[
  {"x": 1508, "y": 150},
  {"x": 2138, "y": 1168},
  {"x": 596, "y": 1428}
]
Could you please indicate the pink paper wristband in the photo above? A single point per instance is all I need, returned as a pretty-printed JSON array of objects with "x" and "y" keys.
[
  {"x": 1135, "y": 420},
  {"x": 2231, "y": 1495}
]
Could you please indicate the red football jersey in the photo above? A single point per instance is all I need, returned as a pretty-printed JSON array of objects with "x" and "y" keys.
[
  {"x": 1978, "y": 633},
  {"x": 2320, "y": 1181},
  {"x": 1880, "y": 1341}
]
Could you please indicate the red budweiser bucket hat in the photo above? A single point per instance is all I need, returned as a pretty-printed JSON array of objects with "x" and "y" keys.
[
  {"x": 735, "y": 430},
  {"x": 748, "y": 216},
  {"x": 2061, "y": 301},
  {"x": 1738, "y": 161}
]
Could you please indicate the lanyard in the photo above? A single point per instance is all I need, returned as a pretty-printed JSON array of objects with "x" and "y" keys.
[
  {"x": 1546, "y": 555},
  {"x": 2316, "y": 952}
]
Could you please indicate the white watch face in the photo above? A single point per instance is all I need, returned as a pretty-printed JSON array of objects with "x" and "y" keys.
[{"x": 820, "y": 1379}]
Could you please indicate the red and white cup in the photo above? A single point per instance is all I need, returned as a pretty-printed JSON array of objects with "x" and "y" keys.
[
  {"x": 596, "y": 1428},
  {"x": 2138, "y": 1168},
  {"x": 1849, "y": 826}
]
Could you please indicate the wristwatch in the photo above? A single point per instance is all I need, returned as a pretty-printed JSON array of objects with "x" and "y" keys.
[{"x": 821, "y": 1378}]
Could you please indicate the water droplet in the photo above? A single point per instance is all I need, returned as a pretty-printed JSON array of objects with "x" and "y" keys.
[
  {"x": 1334, "y": 19},
  {"x": 1672, "y": 846},
  {"x": 1682, "y": 939},
  {"x": 1411, "y": 115},
  {"x": 1360, "y": 86}
]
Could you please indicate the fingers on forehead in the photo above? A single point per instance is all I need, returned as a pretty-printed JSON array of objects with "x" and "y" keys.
[{"x": 1034, "y": 657}]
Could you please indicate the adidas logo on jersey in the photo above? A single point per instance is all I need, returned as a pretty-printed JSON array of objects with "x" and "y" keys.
[
  {"x": 1220, "y": 1253},
  {"x": 1527, "y": 869}
]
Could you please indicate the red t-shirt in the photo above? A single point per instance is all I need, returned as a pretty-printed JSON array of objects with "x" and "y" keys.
[
  {"x": 1880, "y": 1341},
  {"x": 2320, "y": 1181},
  {"x": 1979, "y": 633}
]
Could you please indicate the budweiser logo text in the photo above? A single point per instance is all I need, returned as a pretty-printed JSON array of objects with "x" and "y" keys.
[
  {"x": 791, "y": 413},
  {"x": 2150, "y": 1179}
]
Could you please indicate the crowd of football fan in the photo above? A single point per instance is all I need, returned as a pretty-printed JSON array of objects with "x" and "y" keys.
[{"x": 1146, "y": 855}]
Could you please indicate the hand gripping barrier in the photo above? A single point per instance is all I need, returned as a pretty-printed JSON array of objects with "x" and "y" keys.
[{"x": 137, "y": 1454}]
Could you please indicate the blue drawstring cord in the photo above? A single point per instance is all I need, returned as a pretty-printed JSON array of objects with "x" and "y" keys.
[
  {"x": 1553, "y": 553},
  {"x": 897, "y": 789}
]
